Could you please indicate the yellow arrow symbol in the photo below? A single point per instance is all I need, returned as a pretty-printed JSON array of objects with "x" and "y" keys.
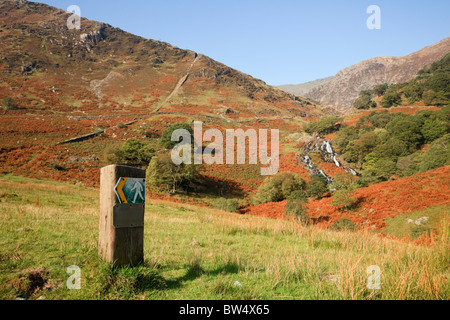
[{"x": 121, "y": 184}]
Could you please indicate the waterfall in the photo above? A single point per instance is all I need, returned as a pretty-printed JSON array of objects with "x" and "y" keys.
[{"x": 328, "y": 155}]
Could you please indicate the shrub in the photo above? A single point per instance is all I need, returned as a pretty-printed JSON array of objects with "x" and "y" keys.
[
  {"x": 413, "y": 91},
  {"x": 344, "y": 199},
  {"x": 230, "y": 205},
  {"x": 166, "y": 137},
  {"x": 164, "y": 175},
  {"x": 406, "y": 130},
  {"x": 432, "y": 130},
  {"x": 380, "y": 89},
  {"x": 317, "y": 186},
  {"x": 132, "y": 153},
  {"x": 382, "y": 169},
  {"x": 364, "y": 102},
  {"x": 391, "y": 98},
  {"x": 344, "y": 184},
  {"x": 344, "y": 136},
  {"x": 344, "y": 224},
  {"x": 8, "y": 103},
  {"x": 295, "y": 206},
  {"x": 278, "y": 187},
  {"x": 324, "y": 126},
  {"x": 381, "y": 119},
  {"x": 438, "y": 155}
]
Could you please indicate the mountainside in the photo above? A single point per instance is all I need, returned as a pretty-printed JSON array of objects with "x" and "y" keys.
[
  {"x": 100, "y": 69},
  {"x": 69, "y": 97},
  {"x": 344, "y": 88},
  {"x": 302, "y": 88}
]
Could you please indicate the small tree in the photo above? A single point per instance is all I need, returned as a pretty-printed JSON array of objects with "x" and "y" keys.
[
  {"x": 391, "y": 98},
  {"x": 344, "y": 185},
  {"x": 433, "y": 129},
  {"x": 380, "y": 89},
  {"x": 364, "y": 101},
  {"x": 164, "y": 175},
  {"x": 344, "y": 224},
  {"x": 317, "y": 186},
  {"x": 324, "y": 126},
  {"x": 428, "y": 97},
  {"x": 166, "y": 137},
  {"x": 295, "y": 206},
  {"x": 8, "y": 103},
  {"x": 278, "y": 187},
  {"x": 132, "y": 152}
]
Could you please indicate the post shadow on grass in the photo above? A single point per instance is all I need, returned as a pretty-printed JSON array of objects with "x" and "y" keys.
[
  {"x": 129, "y": 281},
  {"x": 195, "y": 271},
  {"x": 217, "y": 186}
]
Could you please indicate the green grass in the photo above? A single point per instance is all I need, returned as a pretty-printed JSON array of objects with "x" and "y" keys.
[
  {"x": 199, "y": 253},
  {"x": 400, "y": 228}
]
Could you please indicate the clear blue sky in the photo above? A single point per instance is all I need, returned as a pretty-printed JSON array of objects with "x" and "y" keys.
[{"x": 282, "y": 41}]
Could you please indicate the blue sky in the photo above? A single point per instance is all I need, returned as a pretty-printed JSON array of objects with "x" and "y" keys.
[{"x": 282, "y": 41}]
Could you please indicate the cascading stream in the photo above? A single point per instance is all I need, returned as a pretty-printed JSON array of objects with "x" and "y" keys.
[{"x": 327, "y": 154}]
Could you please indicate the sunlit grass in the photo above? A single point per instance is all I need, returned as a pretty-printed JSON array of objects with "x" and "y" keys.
[{"x": 199, "y": 253}]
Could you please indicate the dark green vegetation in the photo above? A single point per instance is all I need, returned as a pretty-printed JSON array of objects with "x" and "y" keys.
[
  {"x": 295, "y": 206},
  {"x": 230, "y": 205},
  {"x": 278, "y": 187},
  {"x": 343, "y": 185},
  {"x": 317, "y": 186},
  {"x": 385, "y": 144},
  {"x": 164, "y": 175},
  {"x": 166, "y": 137},
  {"x": 324, "y": 126},
  {"x": 133, "y": 153},
  {"x": 8, "y": 103},
  {"x": 431, "y": 86}
]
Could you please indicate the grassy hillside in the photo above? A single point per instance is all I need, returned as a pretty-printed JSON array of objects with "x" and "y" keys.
[{"x": 199, "y": 253}]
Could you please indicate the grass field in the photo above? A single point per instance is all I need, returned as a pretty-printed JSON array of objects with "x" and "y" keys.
[{"x": 200, "y": 253}]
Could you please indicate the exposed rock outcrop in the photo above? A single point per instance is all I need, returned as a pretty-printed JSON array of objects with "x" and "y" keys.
[{"x": 342, "y": 90}]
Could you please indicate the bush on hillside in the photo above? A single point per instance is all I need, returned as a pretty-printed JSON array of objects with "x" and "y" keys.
[
  {"x": 278, "y": 187},
  {"x": 295, "y": 206},
  {"x": 132, "y": 153},
  {"x": 230, "y": 205},
  {"x": 344, "y": 224},
  {"x": 8, "y": 103},
  {"x": 391, "y": 98},
  {"x": 164, "y": 175},
  {"x": 166, "y": 137},
  {"x": 325, "y": 125},
  {"x": 317, "y": 186}
]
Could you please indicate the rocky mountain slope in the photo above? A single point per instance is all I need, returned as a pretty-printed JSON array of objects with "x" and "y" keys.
[
  {"x": 342, "y": 90},
  {"x": 101, "y": 69},
  {"x": 302, "y": 88}
]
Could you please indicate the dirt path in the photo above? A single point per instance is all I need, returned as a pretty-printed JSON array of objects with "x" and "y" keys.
[{"x": 180, "y": 83}]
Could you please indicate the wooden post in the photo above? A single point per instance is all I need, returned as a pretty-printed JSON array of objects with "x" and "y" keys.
[{"x": 121, "y": 225}]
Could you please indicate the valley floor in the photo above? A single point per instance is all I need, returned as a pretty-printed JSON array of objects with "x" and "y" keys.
[{"x": 200, "y": 253}]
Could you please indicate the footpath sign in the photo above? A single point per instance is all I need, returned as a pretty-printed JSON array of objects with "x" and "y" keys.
[
  {"x": 121, "y": 219},
  {"x": 130, "y": 190}
]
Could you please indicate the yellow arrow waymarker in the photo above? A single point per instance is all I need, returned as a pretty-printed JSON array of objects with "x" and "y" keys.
[{"x": 119, "y": 190}]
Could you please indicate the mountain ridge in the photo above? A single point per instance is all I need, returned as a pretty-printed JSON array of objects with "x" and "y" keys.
[
  {"x": 301, "y": 88},
  {"x": 342, "y": 90},
  {"x": 101, "y": 62}
]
